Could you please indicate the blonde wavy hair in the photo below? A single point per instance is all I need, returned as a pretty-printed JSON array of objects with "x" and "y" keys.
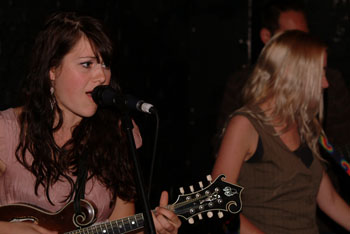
[{"x": 289, "y": 74}]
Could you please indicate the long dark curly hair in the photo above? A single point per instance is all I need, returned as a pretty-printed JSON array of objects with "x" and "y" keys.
[{"x": 97, "y": 139}]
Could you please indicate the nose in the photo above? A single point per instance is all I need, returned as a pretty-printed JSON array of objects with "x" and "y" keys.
[
  {"x": 100, "y": 75},
  {"x": 324, "y": 83}
]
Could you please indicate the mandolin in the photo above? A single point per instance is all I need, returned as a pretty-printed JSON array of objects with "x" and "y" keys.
[{"x": 218, "y": 196}]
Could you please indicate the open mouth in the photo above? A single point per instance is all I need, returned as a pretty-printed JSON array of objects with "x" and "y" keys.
[{"x": 89, "y": 94}]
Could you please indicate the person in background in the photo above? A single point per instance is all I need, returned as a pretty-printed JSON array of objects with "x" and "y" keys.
[
  {"x": 60, "y": 133},
  {"x": 270, "y": 145},
  {"x": 279, "y": 16}
]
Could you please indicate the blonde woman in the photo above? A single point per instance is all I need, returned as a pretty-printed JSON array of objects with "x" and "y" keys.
[{"x": 270, "y": 145}]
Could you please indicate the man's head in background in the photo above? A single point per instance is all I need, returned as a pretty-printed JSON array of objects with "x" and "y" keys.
[{"x": 282, "y": 15}]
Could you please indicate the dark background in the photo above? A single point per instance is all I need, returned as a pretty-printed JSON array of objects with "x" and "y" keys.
[{"x": 177, "y": 55}]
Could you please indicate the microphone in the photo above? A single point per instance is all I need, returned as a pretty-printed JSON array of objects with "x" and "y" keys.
[
  {"x": 137, "y": 104},
  {"x": 105, "y": 96}
]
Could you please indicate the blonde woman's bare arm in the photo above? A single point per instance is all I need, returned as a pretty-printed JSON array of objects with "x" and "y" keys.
[
  {"x": 238, "y": 145},
  {"x": 332, "y": 204}
]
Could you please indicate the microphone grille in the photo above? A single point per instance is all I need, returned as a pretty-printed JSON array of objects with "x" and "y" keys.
[{"x": 104, "y": 95}]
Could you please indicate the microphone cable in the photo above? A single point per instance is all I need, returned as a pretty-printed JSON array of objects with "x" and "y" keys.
[{"x": 153, "y": 159}]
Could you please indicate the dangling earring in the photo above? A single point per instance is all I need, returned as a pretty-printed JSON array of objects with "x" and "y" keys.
[{"x": 52, "y": 100}]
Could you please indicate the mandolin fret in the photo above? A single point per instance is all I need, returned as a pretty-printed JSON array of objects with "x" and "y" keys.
[
  {"x": 120, "y": 226},
  {"x": 110, "y": 229},
  {"x": 139, "y": 220},
  {"x": 127, "y": 224}
]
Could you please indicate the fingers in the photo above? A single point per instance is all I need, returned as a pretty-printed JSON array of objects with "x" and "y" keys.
[
  {"x": 165, "y": 221},
  {"x": 162, "y": 225},
  {"x": 169, "y": 216},
  {"x": 164, "y": 197}
]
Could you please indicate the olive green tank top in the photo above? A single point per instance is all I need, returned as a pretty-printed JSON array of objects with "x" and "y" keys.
[{"x": 280, "y": 187}]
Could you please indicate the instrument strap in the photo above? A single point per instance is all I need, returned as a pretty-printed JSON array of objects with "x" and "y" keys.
[{"x": 80, "y": 184}]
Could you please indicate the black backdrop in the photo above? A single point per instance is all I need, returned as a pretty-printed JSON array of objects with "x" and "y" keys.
[{"x": 176, "y": 54}]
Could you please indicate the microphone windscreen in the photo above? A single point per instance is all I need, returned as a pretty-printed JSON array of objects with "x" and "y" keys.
[
  {"x": 132, "y": 102},
  {"x": 104, "y": 95}
]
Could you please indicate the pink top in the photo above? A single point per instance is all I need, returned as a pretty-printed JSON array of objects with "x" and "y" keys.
[{"x": 17, "y": 183}]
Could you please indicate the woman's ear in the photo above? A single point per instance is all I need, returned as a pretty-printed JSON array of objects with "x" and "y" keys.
[
  {"x": 265, "y": 35},
  {"x": 53, "y": 73}
]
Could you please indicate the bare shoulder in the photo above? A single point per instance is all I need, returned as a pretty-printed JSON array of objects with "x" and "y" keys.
[
  {"x": 238, "y": 144},
  {"x": 18, "y": 110},
  {"x": 241, "y": 133},
  {"x": 242, "y": 124}
]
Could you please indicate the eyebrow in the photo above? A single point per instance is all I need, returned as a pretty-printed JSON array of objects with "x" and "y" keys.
[
  {"x": 98, "y": 59},
  {"x": 91, "y": 57}
]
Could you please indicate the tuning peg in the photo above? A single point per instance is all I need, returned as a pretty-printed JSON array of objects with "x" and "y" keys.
[
  {"x": 200, "y": 216},
  {"x": 220, "y": 214},
  {"x": 182, "y": 191},
  {"x": 191, "y": 188},
  {"x": 200, "y": 184},
  {"x": 210, "y": 214},
  {"x": 191, "y": 221},
  {"x": 209, "y": 178}
]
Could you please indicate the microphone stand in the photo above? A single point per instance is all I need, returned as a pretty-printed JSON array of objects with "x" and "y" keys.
[{"x": 127, "y": 127}]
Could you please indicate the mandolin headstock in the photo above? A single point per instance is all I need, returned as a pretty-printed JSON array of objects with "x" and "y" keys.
[{"x": 217, "y": 197}]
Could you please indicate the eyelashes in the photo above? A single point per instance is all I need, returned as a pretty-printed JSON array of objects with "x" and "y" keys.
[
  {"x": 87, "y": 64},
  {"x": 90, "y": 64}
]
